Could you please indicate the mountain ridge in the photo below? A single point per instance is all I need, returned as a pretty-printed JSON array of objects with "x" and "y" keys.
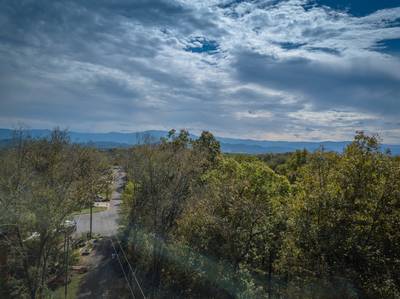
[{"x": 228, "y": 145}]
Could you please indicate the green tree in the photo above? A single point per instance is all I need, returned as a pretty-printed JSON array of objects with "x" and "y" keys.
[
  {"x": 238, "y": 218},
  {"x": 207, "y": 145},
  {"x": 341, "y": 241},
  {"x": 42, "y": 181},
  {"x": 162, "y": 178}
]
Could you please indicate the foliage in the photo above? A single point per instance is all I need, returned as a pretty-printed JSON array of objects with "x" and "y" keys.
[
  {"x": 42, "y": 181},
  {"x": 238, "y": 218},
  {"x": 197, "y": 223},
  {"x": 163, "y": 176},
  {"x": 343, "y": 238},
  {"x": 287, "y": 164},
  {"x": 240, "y": 229}
]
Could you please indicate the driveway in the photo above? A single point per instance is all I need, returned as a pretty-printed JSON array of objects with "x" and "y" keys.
[{"x": 104, "y": 223}]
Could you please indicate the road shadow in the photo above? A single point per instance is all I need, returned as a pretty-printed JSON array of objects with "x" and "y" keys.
[
  {"x": 105, "y": 278},
  {"x": 120, "y": 189}
]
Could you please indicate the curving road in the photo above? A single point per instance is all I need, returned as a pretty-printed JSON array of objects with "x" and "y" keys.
[{"x": 104, "y": 223}]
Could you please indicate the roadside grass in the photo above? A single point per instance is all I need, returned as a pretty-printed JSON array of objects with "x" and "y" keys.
[
  {"x": 87, "y": 211},
  {"x": 74, "y": 282},
  {"x": 73, "y": 287}
]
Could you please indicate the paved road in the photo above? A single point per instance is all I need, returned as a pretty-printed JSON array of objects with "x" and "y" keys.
[
  {"x": 104, "y": 223},
  {"x": 105, "y": 278}
]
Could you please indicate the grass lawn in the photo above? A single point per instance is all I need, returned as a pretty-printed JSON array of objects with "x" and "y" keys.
[
  {"x": 87, "y": 211},
  {"x": 73, "y": 288}
]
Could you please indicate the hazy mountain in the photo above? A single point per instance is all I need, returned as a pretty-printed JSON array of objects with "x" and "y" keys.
[{"x": 229, "y": 145}]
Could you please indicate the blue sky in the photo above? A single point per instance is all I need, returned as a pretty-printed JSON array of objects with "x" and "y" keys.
[
  {"x": 359, "y": 7},
  {"x": 267, "y": 69}
]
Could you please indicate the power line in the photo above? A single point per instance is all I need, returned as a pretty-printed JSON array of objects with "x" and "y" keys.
[
  {"x": 66, "y": 243},
  {"x": 129, "y": 264},
  {"x": 130, "y": 267},
  {"x": 125, "y": 256},
  {"x": 126, "y": 278},
  {"x": 77, "y": 221}
]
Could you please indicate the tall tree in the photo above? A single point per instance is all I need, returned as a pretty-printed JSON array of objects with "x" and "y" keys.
[
  {"x": 238, "y": 218},
  {"x": 162, "y": 178},
  {"x": 345, "y": 224},
  {"x": 42, "y": 181}
]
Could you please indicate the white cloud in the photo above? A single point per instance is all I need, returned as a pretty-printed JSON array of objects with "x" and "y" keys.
[
  {"x": 279, "y": 68},
  {"x": 329, "y": 117}
]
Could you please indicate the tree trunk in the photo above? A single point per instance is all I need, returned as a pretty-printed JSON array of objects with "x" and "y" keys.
[
  {"x": 157, "y": 262},
  {"x": 270, "y": 259}
]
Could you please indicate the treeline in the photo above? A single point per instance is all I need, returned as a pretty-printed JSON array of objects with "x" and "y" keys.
[
  {"x": 42, "y": 182},
  {"x": 200, "y": 224}
]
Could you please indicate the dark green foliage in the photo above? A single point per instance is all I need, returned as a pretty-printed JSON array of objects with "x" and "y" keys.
[{"x": 287, "y": 164}]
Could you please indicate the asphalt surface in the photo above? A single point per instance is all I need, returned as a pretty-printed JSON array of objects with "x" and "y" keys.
[
  {"x": 104, "y": 223},
  {"x": 105, "y": 278}
]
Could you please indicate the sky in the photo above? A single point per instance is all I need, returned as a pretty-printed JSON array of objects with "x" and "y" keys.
[{"x": 268, "y": 69}]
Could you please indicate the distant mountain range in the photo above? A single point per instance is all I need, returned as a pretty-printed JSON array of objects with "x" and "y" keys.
[{"x": 228, "y": 145}]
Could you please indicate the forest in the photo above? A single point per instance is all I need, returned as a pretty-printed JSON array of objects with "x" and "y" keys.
[
  {"x": 199, "y": 223},
  {"x": 202, "y": 224}
]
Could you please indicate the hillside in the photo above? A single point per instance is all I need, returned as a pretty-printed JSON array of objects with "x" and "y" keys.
[{"x": 228, "y": 145}]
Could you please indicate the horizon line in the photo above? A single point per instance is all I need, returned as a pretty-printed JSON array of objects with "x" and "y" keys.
[{"x": 216, "y": 136}]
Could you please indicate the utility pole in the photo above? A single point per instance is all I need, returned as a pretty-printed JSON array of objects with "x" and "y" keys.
[
  {"x": 66, "y": 242},
  {"x": 91, "y": 219}
]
